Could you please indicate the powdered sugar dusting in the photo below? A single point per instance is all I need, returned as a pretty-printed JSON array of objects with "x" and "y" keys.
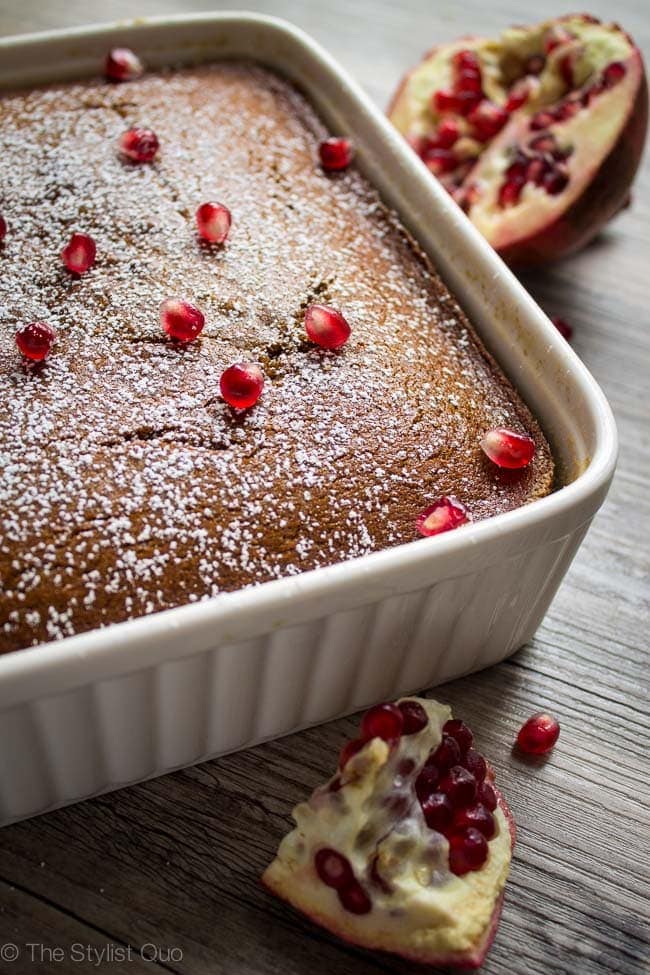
[{"x": 126, "y": 484}]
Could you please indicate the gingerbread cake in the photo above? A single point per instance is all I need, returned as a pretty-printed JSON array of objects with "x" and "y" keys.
[{"x": 127, "y": 484}]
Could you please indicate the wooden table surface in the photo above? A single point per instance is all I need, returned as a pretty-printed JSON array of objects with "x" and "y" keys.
[{"x": 175, "y": 863}]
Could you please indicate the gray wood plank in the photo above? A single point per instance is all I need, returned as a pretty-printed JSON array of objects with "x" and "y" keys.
[{"x": 176, "y": 862}]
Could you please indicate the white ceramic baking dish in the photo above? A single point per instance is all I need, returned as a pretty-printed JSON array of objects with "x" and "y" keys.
[{"x": 103, "y": 709}]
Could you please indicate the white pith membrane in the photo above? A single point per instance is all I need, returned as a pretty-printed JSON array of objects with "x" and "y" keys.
[
  {"x": 420, "y": 909},
  {"x": 589, "y": 135}
]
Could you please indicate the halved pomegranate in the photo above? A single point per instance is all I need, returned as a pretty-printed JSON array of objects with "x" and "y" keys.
[
  {"x": 552, "y": 121},
  {"x": 407, "y": 848}
]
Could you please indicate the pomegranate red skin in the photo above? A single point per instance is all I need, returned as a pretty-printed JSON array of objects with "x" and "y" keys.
[{"x": 602, "y": 199}]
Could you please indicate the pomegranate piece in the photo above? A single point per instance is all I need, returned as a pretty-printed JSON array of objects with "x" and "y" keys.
[
  {"x": 241, "y": 385},
  {"x": 3, "y": 228},
  {"x": 383, "y": 721},
  {"x": 468, "y": 850},
  {"x": 139, "y": 145},
  {"x": 326, "y": 327},
  {"x": 181, "y": 320},
  {"x": 380, "y": 853},
  {"x": 35, "y": 340},
  {"x": 462, "y": 734},
  {"x": 122, "y": 64},
  {"x": 414, "y": 717},
  {"x": 538, "y": 734},
  {"x": 563, "y": 327},
  {"x": 335, "y": 154},
  {"x": 79, "y": 253},
  {"x": 508, "y": 449},
  {"x": 443, "y": 515},
  {"x": 213, "y": 221},
  {"x": 333, "y": 868},
  {"x": 593, "y": 95}
]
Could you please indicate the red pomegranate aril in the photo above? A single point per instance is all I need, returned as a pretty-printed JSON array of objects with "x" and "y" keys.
[
  {"x": 213, "y": 221},
  {"x": 427, "y": 782},
  {"x": 326, "y": 326},
  {"x": 445, "y": 100},
  {"x": 542, "y": 120},
  {"x": 518, "y": 95},
  {"x": 35, "y": 340},
  {"x": 181, "y": 320},
  {"x": 487, "y": 796},
  {"x": 354, "y": 899},
  {"x": 459, "y": 785},
  {"x": 486, "y": 120},
  {"x": 555, "y": 182},
  {"x": 508, "y": 449},
  {"x": 466, "y": 59},
  {"x": 122, "y": 64},
  {"x": 437, "y": 811},
  {"x": 538, "y": 734},
  {"x": 440, "y": 161},
  {"x": 459, "y": 730},
  {"x": 468, "y": 851},
  {"x": 545, "y": 142},
  {"x": 333, "y": 868},
  {"x": 614, "y": 73},
  {"x": 383, "y": 721},
  {"x": 139, "y": 145},
  {"x": 350, "y": 749},
  {"x": 510, "y": 191},
  {"x": 447, "y": 134},
  {"x": 536, "y": 170},
  {"x": 477, "y": 817},
  {"x": 79, "y": 253},
  {"x": 414, "y": 717},
  {"x": 469, "y": 81},
  {"x": 563, "y": 327},
  {"x": 446, "y": 754},
  {"x": 3, "y": 228},
  {"x": 335, "y": 154},
  {"x": 241, "y": 385},
  {"x": 443, "y": 515},
  {"x": 476, "y": 764}
]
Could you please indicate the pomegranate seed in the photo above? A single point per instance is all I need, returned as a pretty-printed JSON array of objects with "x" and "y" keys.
[
  {"x": 545, "y": 142},
  {"x": 563, "y": 328},
  {"x": 3, "y": 228},
  {"x": 556, "y": 36},
  {"x": 383, "y": 721},
  {"x": 354, "y": 899},
  {"x": 349, "y": 750},
  {"x": 437, "y": 811},
  {"x": 536, "y": 171},
  {"x": 241, "y": 385},
  {"x": 182, "y": 321},
  {"x": 333, "y": 868},
  {"x": 213, "y": 221},
  {"x": 476, "y": 764},
  {"x": 510, "y": 191},
  {"x": 539, "y": 734},
  {"x": 486, "y": 120},
  {"x": 445, "y": 100},
  {"x": 469, "y": 81},
  {"x": 440, "y": 161},
  {"x": 462, "y": 60},
  {"x": 508, "y": 449},
  {"x": 477, "y": 817},
  {"x": 518, "y": 95},
  {"x": 122, "y": 65},
  {"x": 35, "y": 340},
  {"x": 139, "y": 145},
  {"x": 487, "y": 796},
  {"x": 591, "y": 93},
  {"x": 448, "y": 132},
  {"x": 459, "y": 785},
  {"x": 467, "y": 851},
  {"x": 335, "y": 154},
  {"x": 614, "y": 73},
  {"x": 555, "y": 182},
  {"x": 459, "y": 730},
  {"x": 446, "y": 754},
  {"x": 542, "y": 120},
  {"x": 535, "y": 64},
  {"x": 326, "y": 327},
  {"x": 79, "y": 253},
  {"x": 414, "y": 717},
  {"x": 442, "y": 516},
  {"x": 427, "y": 782}
]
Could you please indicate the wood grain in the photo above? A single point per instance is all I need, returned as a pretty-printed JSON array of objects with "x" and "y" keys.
[{"x": 176, "y": 862}]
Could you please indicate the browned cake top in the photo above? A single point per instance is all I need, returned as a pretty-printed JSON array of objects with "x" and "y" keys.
[{"x": 126, "y": 484}]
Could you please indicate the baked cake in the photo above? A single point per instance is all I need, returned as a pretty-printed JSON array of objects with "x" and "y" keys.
[{"x": 127, "y": 484}]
